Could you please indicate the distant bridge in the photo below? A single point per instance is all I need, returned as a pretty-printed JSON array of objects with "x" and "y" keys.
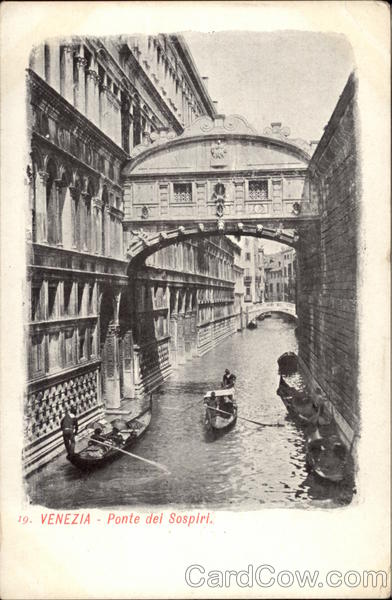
[{"x": 287, "y": 308}]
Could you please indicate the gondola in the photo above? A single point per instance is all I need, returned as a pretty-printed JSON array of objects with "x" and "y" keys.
[
  {"x": 327, "y": 457},
  {"x": 95, "y": 455},
  {"x": 252, "y": 324},
  {"x": 299, "y": 404},
  {"x": 288, "y": 363},
  {"x": 218, "y": 417}
]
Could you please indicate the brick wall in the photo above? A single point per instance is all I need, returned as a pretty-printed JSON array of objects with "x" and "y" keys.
[{"x": 328, "y": 259}]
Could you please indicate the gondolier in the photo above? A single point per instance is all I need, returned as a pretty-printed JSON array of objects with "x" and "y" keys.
[{"x": 69, "y": 427}]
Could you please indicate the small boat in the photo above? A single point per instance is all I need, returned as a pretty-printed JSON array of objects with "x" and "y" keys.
[
  {"x": 220, "y": 415},
  {"x": 327, "y": 457},
  {"x": 288, "y": 363},
  {"x": 297, "y": 401},
  {"x": 267, "y": 315},
  {"x": 252, "y": 324},
  {"x": 108, "y": 447}
]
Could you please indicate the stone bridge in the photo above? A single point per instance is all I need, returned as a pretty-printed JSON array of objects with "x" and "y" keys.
[
  {"x": 219, "y": 177},
  {"x": 287, "y": 308}
]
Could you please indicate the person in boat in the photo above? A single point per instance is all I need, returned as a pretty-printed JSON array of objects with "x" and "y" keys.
[
  {"x": 232, "y": 380},
  {"x": 115, "y": 437},
  {"x": 69, "y": 427},
  {"x": 211, "y": 401},
  {"x": 226, "y": 404},
  {"x": 97, "y": 436},
  {"x": 226, "y": 378}
]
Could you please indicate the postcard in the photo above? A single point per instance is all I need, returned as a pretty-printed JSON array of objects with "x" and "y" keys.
[{"x": 195, "y": 300}]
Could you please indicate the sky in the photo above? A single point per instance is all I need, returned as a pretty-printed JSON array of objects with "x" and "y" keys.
[{"x": 291, "y": 77}]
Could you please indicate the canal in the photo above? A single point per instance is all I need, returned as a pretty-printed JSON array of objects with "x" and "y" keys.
[{"x": 249, "y": 467}]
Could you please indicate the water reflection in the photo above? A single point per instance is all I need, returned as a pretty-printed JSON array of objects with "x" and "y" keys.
[{"x": 247, "y": 467}]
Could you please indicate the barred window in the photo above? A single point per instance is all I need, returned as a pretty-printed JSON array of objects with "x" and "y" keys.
[
  {"x": 182, "y": 192},
  {"x": 258, "y": 190}
]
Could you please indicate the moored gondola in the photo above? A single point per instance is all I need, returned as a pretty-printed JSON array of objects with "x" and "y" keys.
[
  {"x": 327, "y": 457},
  {"x": 102, "y": 449},
  {"x": 252, "y": 324},
  {"x": 288, "y": 363},
  {"x": 220, "y": 410},
  {"x": 300, "y": 405}
]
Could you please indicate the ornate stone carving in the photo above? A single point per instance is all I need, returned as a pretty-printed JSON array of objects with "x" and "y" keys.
[
  {"x": 81, "y": 62},
  {"x": 44, "y": 409},
  {"x": 278, "y": 132}
]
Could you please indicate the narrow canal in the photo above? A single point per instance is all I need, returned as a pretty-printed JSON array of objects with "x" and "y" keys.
[{"x": 249, "y": 467}]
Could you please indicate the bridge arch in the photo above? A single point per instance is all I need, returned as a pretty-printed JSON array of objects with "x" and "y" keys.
[{"x": 144, "y": 244}]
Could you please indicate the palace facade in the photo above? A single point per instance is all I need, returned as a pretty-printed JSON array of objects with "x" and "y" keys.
[{"x": 95, "y": 338}]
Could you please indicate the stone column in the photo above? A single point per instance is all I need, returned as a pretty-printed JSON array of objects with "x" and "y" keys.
[
  {"x": 173, "y": 323},
  {"x": 103, "y": 107},
  {"x": 59, "y": 211},
  {"x": 188, "y": 326},
  {"x": 75, "y": 224},
  {"x": 37, "y": 60},
  {"x": 68, "y": 74},
  {"x": 91, "y": 95},
  {"x": 181, "y": 329},
  {"x": 41, "y": 216},
  {"x": 117, "y": 117},
  {"x": 106, "y": 225},
  {"x": 194, "y": 325},
  {"x": 54, "y": 65},
  {"x": 112, "y": 375},
  {"x": 80, "y": 92}
]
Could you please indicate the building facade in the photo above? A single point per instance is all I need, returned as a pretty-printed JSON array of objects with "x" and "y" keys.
[
  {"x": 280, "y": 276},
  {"x": 93, "y": 338}
]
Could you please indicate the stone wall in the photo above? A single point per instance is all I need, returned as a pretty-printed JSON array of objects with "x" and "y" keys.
[{"x": 328, "y": 258}]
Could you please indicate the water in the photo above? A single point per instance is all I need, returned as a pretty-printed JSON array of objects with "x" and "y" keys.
[{"x": 246, "y": 468}]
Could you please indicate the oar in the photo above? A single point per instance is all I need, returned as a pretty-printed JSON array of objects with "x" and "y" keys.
[
  {"x": 150, "y": 462},
  {"x": 249, "y": 420}
]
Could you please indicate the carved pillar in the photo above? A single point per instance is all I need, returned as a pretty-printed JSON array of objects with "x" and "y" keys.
[
  {"x": 91, "y": 94},
  {"x": 173, "y": 323},
  {"x": 37, "y": 60},
  {"x": 106, "y": 227},
  {"x": 110, "y": 365},
  {"x": 194, "y": 325},
  {"x": 117, "y": 121},
  {"x": 67, "y": 72},
  {"x": 75, "y": 216},
  {"x": 95, "y": 228},
  {"x": 79, "y": 90},
  {"x": 54, "y": 65},
  {"x": 40, "y": 207},
  {"x": 85, "y": 222},
  {"x": 59, "y": 203},
  {"x": 181, "y": 328},
  {"x": 103, "y": 107}
]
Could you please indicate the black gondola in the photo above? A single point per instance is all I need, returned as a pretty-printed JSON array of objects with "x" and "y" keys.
[
  {"x": 105, "y": 449},
  {"x": 288, "y": 363},
  {"x": 327, "y": 457},
  {"x": 220, "y": 417},
  {"x": 252, "y": 324}
]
